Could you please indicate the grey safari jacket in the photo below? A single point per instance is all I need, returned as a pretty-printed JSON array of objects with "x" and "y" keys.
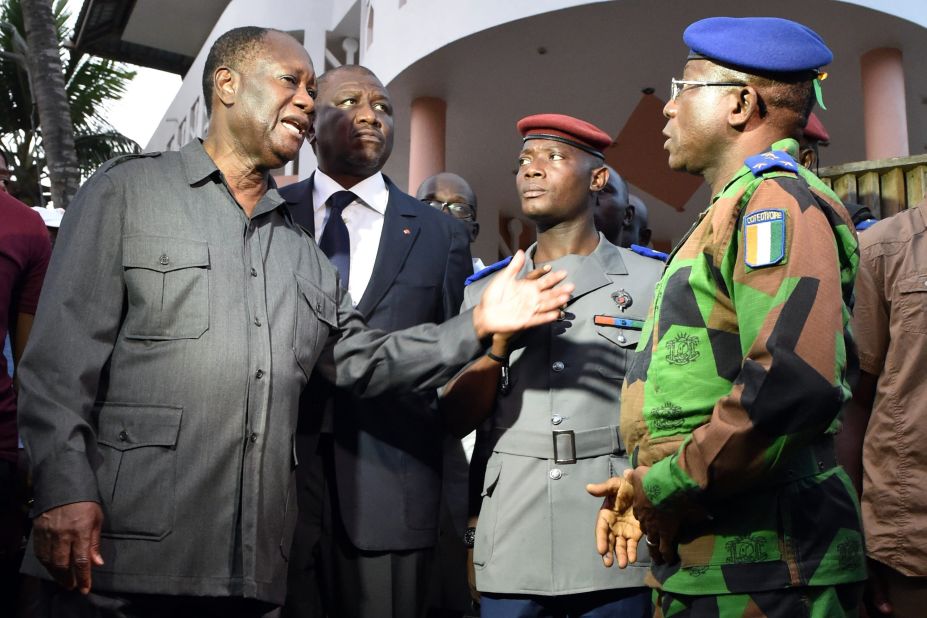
[
  {"x": 535, "y": 529},
  {"x": 170, "y": 347}
]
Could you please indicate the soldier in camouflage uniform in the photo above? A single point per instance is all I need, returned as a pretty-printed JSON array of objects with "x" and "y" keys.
[{"x": 731, "y": 401}]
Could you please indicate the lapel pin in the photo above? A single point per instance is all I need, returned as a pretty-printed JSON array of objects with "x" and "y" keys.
[
  {"x": 406, "y": 231},
  {"x": 623, "y": 299}
]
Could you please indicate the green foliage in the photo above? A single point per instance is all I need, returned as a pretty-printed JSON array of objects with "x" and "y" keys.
[{"x": 90, "y": 83}]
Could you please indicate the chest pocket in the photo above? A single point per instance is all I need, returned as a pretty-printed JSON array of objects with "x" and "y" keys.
[
  {"x": 167, "y": 283},
  {"x": 316, "y": 319},
  {"x": 911, "y": 301},
  {"x": 616, "y": 356}
]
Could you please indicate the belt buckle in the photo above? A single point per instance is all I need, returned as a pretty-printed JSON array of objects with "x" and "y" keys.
[{"x": 572, "y": 446}]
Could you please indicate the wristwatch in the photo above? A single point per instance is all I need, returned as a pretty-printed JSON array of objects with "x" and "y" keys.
[{"x": 469, "y": 537}]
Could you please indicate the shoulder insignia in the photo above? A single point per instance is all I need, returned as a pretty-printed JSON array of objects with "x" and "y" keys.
[
  {"x": 122, "y": 159},
  {"x": 651, "y": 253},
  {"x": 487, "y": 271},
  {"x": 772, "y": 160},
  {"x": 764, "y": 238}
]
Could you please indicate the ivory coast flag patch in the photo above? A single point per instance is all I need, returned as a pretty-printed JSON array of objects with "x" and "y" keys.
[{"x": 764, "y": 238}]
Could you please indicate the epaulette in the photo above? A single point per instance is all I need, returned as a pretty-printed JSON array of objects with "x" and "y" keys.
[
  {"x": 120, "y": 160},
  {"x": 487, "y": 271},
  {"x": 772, "y": 160},
  {"x": 865, "y": 225},
  {"x": 651, "y": 253}
]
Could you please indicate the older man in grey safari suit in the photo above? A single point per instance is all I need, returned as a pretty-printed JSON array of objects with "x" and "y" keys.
[
  {"x": 182, "y": 314},
  {"x": 552, "y": 393}
]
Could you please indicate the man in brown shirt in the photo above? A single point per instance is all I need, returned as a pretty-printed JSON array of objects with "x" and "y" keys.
[{"x": 885, "y": 425}]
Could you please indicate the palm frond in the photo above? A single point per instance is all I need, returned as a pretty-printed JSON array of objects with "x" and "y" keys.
[{"x": 94, "y": 149}]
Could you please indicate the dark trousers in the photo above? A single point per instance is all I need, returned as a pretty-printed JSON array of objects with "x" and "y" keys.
[
  {"x": 13, "y": 527},
  {"x": 56, "y": 602},
  {"x": 621, "y": 603},
  {"x": 367, "y": 584},
  {"x": 304, "y": 577}
]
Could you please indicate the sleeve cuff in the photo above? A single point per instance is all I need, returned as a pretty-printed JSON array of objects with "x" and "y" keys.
[
  {"x": 666, "y": 483},
  {"x": 63, "y": 478}
]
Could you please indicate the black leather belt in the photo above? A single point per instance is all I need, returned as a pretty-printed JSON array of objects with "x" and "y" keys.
[{"x": 562, "y": 446}]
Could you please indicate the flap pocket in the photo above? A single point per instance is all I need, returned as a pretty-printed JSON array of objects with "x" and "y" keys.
[
  {"x": 911, "y": 302},
  {"x": 912, "y": 285},
  {"x": 126, "y": 426},
  {"x": 163, "y": 253},
  {"x": 621, "y": 337},
  {"x": 321, "y": 303}
]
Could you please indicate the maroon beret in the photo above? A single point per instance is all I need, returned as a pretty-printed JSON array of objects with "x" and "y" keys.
[
  {"x": 566, "y": 129},
  {"x": 815, "y": 131}
]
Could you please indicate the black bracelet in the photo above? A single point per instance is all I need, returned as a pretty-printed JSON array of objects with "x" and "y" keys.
[{"x": 499, "y": 359}]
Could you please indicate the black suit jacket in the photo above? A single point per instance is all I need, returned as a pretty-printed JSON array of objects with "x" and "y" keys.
[{"x": 388, "y": 450}]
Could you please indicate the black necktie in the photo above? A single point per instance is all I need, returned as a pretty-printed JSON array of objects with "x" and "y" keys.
[{"x": 335, "y": 241}]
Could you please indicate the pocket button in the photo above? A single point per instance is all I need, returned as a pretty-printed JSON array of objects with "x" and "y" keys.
[
  {"x": 164, "y": 260},
  {"x": 123, "y": 436}
]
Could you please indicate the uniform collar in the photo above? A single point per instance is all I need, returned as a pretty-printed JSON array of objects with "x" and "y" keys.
[
  {"x": 787, "y": 145},
  {"x": 586, "y": 272}
]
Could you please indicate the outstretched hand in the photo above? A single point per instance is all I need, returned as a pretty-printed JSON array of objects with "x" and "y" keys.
[
  {"x": 617, "y": 531},
  {"x": 510, "y": 304}
]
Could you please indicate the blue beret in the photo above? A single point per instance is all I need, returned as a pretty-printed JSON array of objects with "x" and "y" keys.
[{"x": 758, "y": 44}]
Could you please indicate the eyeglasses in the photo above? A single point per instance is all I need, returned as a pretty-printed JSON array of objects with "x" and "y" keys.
[
  {"x": 678, "y": 85},
  {"x": 458, "y": 210}
]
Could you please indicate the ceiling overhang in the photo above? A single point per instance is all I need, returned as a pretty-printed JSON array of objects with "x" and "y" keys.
[{"x": 145, "y": 32}]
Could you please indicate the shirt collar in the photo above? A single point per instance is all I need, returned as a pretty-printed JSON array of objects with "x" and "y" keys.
[
  {"x": 197, "y": 164},
  {"x": 372, "y": 191}
]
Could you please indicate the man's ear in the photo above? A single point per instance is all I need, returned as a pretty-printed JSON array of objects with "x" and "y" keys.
[
  {"x": 599, "y": 178},
  {"x": 474, "y": 230},
  {"x": 746, "y": 104},
  {"x": 225, "y": 85},
  {"x": 807, "y": 157},
  {"x": 629, "y": 213}
]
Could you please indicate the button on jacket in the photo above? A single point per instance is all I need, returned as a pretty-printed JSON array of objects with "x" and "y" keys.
[
  {"x": 534, "y": 534},
  {"x": 171, "y": 344}
]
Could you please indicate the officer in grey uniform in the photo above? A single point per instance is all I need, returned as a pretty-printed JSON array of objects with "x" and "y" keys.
[{"x": 553, "y": 393}]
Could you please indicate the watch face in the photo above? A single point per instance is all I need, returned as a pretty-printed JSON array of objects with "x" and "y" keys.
[{"x": 469, "y": 537}]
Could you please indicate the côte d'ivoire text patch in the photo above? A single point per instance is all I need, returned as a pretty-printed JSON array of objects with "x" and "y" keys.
[{"x": 764, "y": 238}]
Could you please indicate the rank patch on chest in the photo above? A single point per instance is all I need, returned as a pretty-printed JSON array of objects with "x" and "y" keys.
[
  {"x": 764, "y": 238},
  {"x": 617, "y": 322}
]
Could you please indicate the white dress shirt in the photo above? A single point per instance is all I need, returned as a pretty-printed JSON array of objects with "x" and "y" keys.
[{"x": 363, "y": 218}]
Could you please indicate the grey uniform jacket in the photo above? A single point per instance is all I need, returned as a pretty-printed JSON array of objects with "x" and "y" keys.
[
  {"x": 535, "y": 530},
  {"x": 171, "y": 343}
]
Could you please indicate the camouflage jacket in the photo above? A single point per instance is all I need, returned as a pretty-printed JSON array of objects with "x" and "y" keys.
[{"x": 740, "y": 374}]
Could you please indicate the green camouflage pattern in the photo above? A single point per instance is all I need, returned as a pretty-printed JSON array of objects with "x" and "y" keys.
[
  {"x": 739, "y": 370},
  {"x": 841, "y": 601}
]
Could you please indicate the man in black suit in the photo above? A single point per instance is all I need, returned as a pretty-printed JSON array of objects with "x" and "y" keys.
[{"x": 405, "y": 263}]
